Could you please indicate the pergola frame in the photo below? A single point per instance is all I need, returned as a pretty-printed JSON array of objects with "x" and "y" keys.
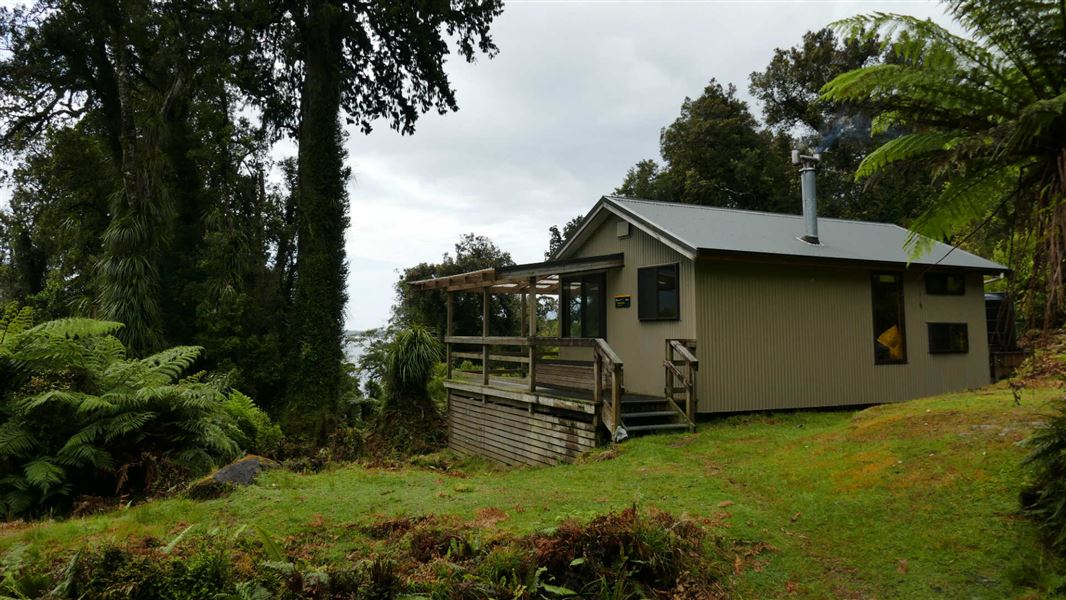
[{"x": 529, "y": 280}]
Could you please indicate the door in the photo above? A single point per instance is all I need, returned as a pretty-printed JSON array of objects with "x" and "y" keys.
[{"x": 584, "y": 310}]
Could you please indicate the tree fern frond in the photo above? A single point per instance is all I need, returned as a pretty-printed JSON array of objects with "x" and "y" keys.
[
  {"x": 907, "y": 147},
  {"x": 173, "y": 361},
  {"x": 962, "y": 201},
  {"x": 16, "y": 441},
  {"x": 75, "y": 328},
  {"x": 71, "y": 399},
  {"x": 124, "y": 423},
  {"x": 43, "y": 474}
]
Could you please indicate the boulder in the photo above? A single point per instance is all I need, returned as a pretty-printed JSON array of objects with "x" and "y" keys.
[{"x": 240, "y": 472}]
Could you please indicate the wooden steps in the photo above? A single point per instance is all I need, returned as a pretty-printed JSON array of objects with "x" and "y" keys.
[{"x": 650, "y": 414}]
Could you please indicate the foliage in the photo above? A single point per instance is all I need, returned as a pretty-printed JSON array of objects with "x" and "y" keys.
[
  {"x": 82, "y": 418},
  {"x": 557, "y": 237},
  {"x": 1044, "y": 498},
  {"x": 429, "y": 309},
  {"x": 715, "y": 154},
  {"x": 986, "y": 114},
  {"x": 789, "y": 91},
  {"x": 639, "y": 553},
  {"x": 363, "y": 62},
  {"x": 409, "y": 421},
  {"x": 139, "y": 192},
  {"x": 257, "y": 434}
]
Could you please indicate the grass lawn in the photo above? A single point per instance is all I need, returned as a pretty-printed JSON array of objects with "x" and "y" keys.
[{"x": 912, "y": 500}]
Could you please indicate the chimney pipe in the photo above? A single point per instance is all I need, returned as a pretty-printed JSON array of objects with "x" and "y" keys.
[{"x": 808, "y": 187}]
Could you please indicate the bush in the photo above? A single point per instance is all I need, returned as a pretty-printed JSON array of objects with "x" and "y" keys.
[
  {"x": 1044, "y": 498},
  {"x": 81, "y": 418},
  {"x": 258, "y": 434}
]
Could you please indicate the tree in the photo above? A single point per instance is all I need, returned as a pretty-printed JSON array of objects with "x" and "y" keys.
[
  {"x": 556, "y": 238},
  {"x": 715, "y": 154},
  {"x": 789, "y": 90},
  {"x": 369, "y": 61},
  {"x": 642, "y": 181},
  {"x": 987, "y": 118},
  {"x": 428, "y": 309}
]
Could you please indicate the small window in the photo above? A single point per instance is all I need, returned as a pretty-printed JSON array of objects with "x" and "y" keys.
[
  {"x": 890, "y": 339},
  {"x": 945, "y": 284},
  {"x": 658, "y": 298},
  {"x": 949, "y": 338}
]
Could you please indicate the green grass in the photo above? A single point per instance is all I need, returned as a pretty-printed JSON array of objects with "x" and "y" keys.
[{"x": 912, "y": 500}]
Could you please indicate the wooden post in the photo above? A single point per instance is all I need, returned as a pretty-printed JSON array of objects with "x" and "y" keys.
[
  {"x": 484, "y": 334},
  {"x": 616, "y": 398},
  {"x": 448, "y": 332},
  {"x": 532, "y": 320},
  {"x": 690, "y": 395},
  {"x": 669, "y": 390},
  {"x": 522, "y": 329},
  {"x": 597, "y": 378}
]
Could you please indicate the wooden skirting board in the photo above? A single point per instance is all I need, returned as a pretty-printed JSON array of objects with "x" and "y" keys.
[{"x": 515, "y": 436}]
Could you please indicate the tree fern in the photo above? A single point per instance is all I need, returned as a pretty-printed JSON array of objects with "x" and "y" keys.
[
  {"x": 81, "y": 412},
  {"x": 988, "y": 111}
]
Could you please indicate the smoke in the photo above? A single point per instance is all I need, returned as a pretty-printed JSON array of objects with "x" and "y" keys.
[{"x": 842, "y": 127}]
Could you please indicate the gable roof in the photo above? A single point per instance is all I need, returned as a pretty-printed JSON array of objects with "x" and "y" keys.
[{"x": 693, "y": 230}]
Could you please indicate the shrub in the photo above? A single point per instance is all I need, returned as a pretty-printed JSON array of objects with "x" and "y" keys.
[
  {"x": 257, "y": 434},
  {"x": 1044, "y": 498},
  {"x": 80, "y": 417}
]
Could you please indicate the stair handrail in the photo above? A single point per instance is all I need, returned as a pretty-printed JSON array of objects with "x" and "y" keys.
[
  {"x": 603, "y": 353},
  {"x": 687, "y": 376}
]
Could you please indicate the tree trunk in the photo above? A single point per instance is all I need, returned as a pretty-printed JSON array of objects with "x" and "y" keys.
[
  {"x": 129, "y": 269},
  {"x": 320, "y": 296}
]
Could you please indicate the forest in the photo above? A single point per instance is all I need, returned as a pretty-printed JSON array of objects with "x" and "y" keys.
[{"x": 173, "y": 287}]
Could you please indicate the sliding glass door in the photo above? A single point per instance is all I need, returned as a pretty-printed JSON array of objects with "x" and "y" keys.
[{"x": 584, "y": 309}]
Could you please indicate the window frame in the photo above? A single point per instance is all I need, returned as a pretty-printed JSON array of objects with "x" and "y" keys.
[
  {"x": 902, "y": 316},
  {"x": 581, "y": 278},
  {"x": 932, "y": 276},
  {"x": 676, "y": 266},
  {"x": 929, "y": 332}
]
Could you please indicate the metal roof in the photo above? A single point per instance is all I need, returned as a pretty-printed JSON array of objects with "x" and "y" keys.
[{"x": 694, "y": 230}]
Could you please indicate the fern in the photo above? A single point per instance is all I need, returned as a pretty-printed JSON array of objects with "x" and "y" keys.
[
  {"x": 987, "y": 111},
  {"x": 91, "y": 413}
]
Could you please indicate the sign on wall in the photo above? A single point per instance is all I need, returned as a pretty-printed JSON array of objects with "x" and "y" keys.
[{"x": 622, "y": 301}]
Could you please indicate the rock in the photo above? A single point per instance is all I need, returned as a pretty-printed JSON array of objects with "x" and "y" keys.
[{"x": 223, "y": 481}]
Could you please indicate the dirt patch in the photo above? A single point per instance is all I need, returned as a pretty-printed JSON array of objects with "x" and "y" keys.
[
  {"x": 391, "y": 528},
  {"x": 864, "y": 470},
  {"x": 489, "y": 517},
  {"x": 936, "y": 424}
]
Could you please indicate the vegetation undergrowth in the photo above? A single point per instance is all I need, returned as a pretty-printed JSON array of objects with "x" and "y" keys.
[
  {"x": 625, "y": 554},
  {"x": 84, "y": 425},
  {"x": 913, "y": 500}
]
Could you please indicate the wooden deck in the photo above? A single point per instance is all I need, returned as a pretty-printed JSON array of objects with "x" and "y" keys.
[{"x": 506, "y": 422}]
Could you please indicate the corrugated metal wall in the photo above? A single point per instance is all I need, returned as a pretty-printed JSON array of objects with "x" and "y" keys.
[
  {"x": 640, "y": 344},
  {"x": 793, "y": 337}
]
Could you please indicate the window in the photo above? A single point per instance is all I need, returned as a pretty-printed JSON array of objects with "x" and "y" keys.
[
  {"x": 949, "y": 338},
  {"x": 890, "y": 340},
  {"x": 657, "y": 293},
  {"x": 585, "y": 306},
  {"x": 945, "y": 284}
]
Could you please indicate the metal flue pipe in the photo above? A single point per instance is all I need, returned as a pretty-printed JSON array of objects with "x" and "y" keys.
[{"x": 809, "y": 190}]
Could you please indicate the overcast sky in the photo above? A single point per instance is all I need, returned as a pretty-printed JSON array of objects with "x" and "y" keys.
[{"x": 577, "y": 95}]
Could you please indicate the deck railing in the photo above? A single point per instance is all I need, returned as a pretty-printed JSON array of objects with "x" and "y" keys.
[
  {"x": 681, "y": 366},
  {"x": 606, "y": 365}
]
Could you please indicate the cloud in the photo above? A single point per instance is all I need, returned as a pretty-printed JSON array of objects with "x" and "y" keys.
[{"x": 577, "y": 95}]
